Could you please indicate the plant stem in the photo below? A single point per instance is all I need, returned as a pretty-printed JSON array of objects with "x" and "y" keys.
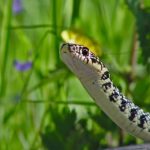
[{"x": 4, "y": 50}]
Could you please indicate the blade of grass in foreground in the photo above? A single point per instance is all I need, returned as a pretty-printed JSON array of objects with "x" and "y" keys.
[
  {"x": 55, "y": 39},
  {"x": 36, "y": 26},
  {"x": 4, "y": 50}
]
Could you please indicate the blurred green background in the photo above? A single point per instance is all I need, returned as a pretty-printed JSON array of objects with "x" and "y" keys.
[{"x": 42, "y": 104}]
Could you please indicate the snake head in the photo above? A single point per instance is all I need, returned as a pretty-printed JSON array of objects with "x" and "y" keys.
[
  {"x": 80, "y": 59},
  {"x": 79, "y": 52}
]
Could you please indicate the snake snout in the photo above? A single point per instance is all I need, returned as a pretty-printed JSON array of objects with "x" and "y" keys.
[{"x": 64, "y": 47}]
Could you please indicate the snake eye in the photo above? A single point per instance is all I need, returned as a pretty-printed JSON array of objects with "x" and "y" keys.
[{"x": 85, "y": 51}]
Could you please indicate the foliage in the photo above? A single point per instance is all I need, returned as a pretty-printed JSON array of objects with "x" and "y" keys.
[
  {"x": 42, "y": 104},
  {"x": 142, "y": 14},
  {"x": 70, "y": 133}
]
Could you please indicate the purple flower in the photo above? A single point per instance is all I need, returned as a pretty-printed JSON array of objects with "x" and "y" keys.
[
  {"x": 17, "y": 6},
  {"x": 22, "y": 66}
]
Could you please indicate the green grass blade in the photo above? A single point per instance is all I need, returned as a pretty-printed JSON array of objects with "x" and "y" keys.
[{"x": 4, "y": 50}]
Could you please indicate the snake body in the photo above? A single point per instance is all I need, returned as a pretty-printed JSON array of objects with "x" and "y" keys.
[{"x": 95, "y": 78}]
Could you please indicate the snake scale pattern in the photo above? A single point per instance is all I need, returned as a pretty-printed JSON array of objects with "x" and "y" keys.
[{"x": 95, "y": 77}]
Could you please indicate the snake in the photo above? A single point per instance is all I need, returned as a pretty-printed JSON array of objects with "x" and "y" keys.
[{"x": 95, "y": 78}]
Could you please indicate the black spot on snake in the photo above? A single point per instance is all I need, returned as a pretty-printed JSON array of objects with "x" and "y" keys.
[
  {"x": 113, "y": 97},
  {"x": 93, "y": 59},
  {"x": 106, "y": 86},
  {"x": 105, "y": 75},
  {"x": 133, "y": 113},
  {"x": 142, "y": 121},
  {"x": 123, "y": 105}
]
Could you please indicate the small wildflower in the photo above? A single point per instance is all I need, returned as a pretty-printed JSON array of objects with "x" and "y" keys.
[
  {"x": 17, "y": 6},
  {"x": 22, "y": 66}
]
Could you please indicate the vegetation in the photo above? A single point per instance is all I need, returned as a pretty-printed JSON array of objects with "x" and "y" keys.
[{"x": 42, "y": 104}]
